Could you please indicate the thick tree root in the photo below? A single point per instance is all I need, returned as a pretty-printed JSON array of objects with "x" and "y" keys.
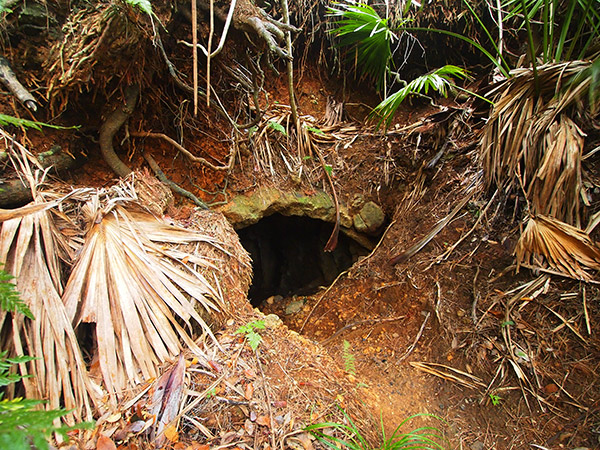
[
  {"x": 172, "y": 185},
  {"x": 16, "y": 192},
  {"x": 8, "y": 77},
  {"x": 110, "y": 127}
]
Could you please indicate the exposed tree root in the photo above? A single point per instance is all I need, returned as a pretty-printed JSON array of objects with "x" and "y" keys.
[
  {"x": 185, "y": 151},
  {"x": 110, "y": 127},
  {"x": 17, "y": 192},
  {"x": 174, "y": 186},
  {"x": 8, "y": 77}
]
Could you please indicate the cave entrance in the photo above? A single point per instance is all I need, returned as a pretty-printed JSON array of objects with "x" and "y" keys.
[{"x": 288, "y": 257}]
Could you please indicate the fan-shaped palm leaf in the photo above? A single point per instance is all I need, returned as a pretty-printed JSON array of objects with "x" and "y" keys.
[
  {"x": 440, "y": 80},
  {"x": 360, "y": 26},
  {"x": 563, "y": 247},
  {"x": 140, "y": 293}
]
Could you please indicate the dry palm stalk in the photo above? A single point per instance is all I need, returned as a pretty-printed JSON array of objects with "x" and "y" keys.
[
  {"x": 564, "y": 248},
  {"x": 450, "y": 374},
  {"x": 434, "y": 232}
]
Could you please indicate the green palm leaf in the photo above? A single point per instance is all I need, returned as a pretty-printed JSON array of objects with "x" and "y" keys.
[
  {"x": 440, "y": 80},
  {"x": 359, "y": 26}
]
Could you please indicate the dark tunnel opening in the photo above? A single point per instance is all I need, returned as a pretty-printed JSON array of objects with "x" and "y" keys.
[{"x": 288, "y": 257}]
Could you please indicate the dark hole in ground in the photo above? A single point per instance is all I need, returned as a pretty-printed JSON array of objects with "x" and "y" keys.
[{"x": 288, "y": 257}]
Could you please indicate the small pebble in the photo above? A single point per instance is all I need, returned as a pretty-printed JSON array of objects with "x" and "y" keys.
[{"x": 477, "y": 445}]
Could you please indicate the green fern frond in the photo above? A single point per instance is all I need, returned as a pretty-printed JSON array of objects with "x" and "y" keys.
[
  {"x": 349, "y": 361},
  {"x": 22, "y": 425},
  {"x": 440, "y": 80},
  {"x": 15, "y": 121},
  {"x": 9, "y": 297}
]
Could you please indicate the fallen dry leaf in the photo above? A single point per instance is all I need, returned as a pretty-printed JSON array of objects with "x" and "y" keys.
[
  {"x": 197, "y": 446},
  {"x": 249, "y": 391},
  {"x": 171, "y": 433},
  {"x": 305, "y": 441},
  {"x": 263, "y": 420},
  {"x": 113, "y": 418},
  {"x": 249, "y": 427},
  {"x": 105, "y": 443}
]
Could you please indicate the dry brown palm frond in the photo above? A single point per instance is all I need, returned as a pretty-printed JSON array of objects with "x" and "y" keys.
[
  {"x": 29, "y": 250},
  {"x": 566, "y": 249},
  {"x": 141, "y": 294},
  {"x": 529, "y": 142}
]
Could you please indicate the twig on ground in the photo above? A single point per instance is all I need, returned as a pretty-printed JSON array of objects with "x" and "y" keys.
[
  {"x": 452, "y": 374},
  {"x": 585, "y": 313},
  {"x": 476, "y": 297},
  {"x": 567, "y": 324},
  {"x": 414, "y": 344},
  {"x": 359, "y": 322}
]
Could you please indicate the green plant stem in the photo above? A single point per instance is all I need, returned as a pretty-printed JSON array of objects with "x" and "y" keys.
[
  {"x": 474, "y": 94},
  {"x": 486, "y": 31},
  {"x": 564, "y": 30},
  {"x": 546, "y": 28},
  {"x": 502, "y": 66},
  {"x": 579, "y": 30}
]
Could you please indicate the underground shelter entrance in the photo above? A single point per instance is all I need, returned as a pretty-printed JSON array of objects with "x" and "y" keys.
[{"x": 288, "y": 257}]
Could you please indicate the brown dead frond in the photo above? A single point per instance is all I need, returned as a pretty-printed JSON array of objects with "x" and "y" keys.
[
  {"x": 98, "y": 257},
  {"x": 29, "y": 250},
  {"x": 131, "y": 280},
  {"x": 563, "y": 247},
  {"x": 530, "y": 143}
]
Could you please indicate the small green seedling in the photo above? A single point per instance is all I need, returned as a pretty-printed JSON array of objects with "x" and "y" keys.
[
  {"x": 249, "y": 331},
  {"x": 316, "y": 131},
  {"x": 278, "y": 127},
  {"x": 495, "y": 399},
  {"x": 211, "y": 393}
]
